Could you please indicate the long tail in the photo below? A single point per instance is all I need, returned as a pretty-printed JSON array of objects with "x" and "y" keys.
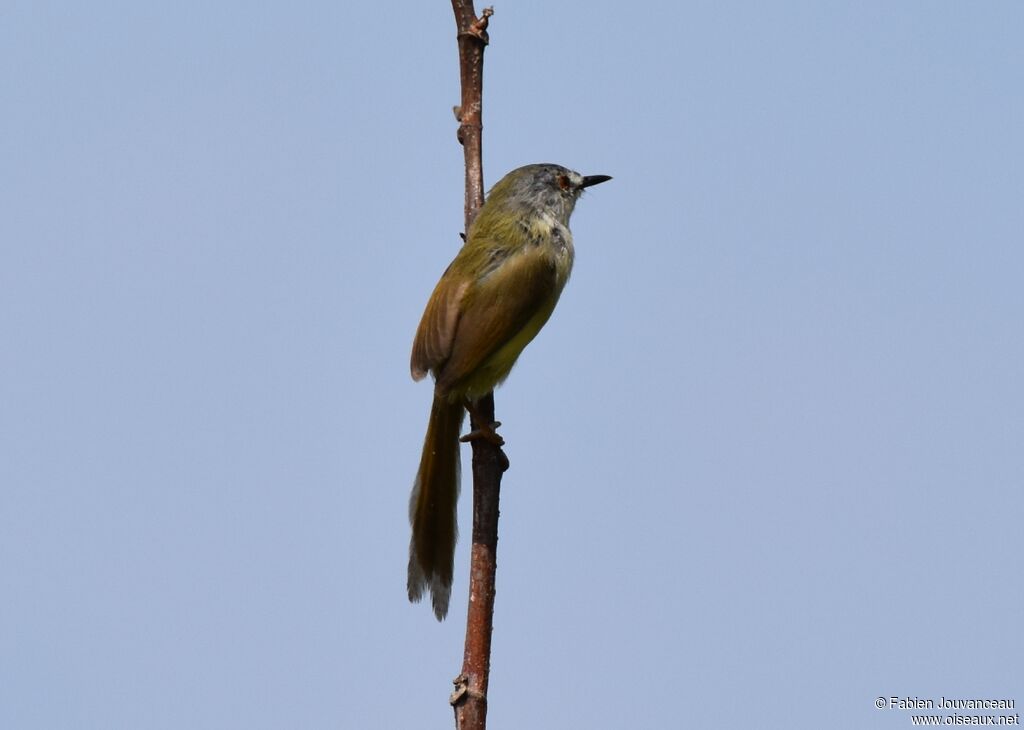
[{"x": 432, "y": 508}]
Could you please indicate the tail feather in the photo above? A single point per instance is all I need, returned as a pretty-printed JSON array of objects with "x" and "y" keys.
[{"x": 432, "y": 508}]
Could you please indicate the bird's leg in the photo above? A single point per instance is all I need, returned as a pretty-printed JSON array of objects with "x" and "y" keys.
[{"x": 481, "y": 429}]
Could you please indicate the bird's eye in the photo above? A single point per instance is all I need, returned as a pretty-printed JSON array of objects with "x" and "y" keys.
[{"x": 563, "y": 182}]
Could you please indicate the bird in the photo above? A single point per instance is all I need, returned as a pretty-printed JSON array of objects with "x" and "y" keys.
[{"x": 491, "y": 301}]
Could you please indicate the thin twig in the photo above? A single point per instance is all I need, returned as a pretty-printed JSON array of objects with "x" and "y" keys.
[{"x": 470, "y": 696}]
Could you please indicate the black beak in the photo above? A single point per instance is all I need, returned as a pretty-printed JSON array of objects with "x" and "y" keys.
[{"x": 594, "y": 180}]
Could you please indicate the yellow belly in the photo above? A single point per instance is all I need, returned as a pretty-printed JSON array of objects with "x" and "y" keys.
[{"x": 497, "y": 367}]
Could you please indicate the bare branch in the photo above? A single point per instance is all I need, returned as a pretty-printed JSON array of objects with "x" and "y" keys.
[{"x": 469, "y": 698}]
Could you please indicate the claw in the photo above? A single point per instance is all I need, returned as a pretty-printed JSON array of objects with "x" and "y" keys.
[{"x": 487, "y": 432}]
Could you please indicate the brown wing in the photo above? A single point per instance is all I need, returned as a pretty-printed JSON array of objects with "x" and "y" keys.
[
  {"x": 434, "y": 336},
  {"x": 495, "y": 311}
]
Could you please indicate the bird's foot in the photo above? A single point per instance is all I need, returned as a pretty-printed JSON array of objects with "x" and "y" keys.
[
  {"x": 487, "y": 432},
  {"x": 481, "y": 428}
]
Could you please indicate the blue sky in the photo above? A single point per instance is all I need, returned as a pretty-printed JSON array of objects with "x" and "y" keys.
[{"x": 766, "y": 456}]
